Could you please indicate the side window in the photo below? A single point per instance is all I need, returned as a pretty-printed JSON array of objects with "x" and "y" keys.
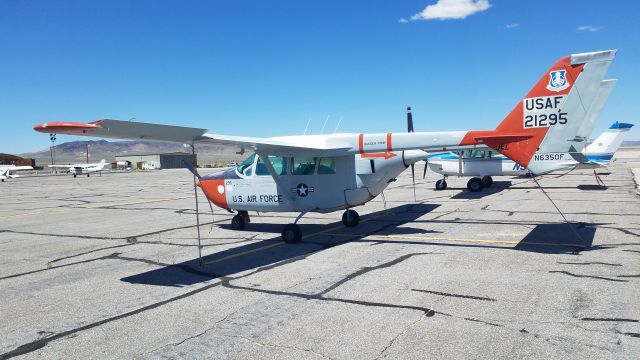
[
  {"x": 328, "y": 166},
  {"x": 303, "y": 165},
  {"x": 279, "y": 165}
]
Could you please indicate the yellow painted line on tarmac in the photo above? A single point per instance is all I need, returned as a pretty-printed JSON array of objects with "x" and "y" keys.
[
  {"x": 482, "y": 241},
  {"x": 132, "y": 203},
  {"x": 244, "y": 253}
]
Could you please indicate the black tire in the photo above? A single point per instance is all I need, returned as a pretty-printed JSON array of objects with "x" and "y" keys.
[
  {"x": 487, "y": 181},
  {"x": 87, "y": 175},
  {"x": 237, "y": 222},
  {"x": 350, "y": 218},
  {"x": 291, "y": 234},
  {"x": 441, "y": 185},
  {"x": 74, "y": 176},
  {"x": 474, "y": 184}
]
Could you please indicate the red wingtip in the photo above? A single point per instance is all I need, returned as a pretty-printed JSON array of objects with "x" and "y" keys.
[{"x": 65, "y": 127}]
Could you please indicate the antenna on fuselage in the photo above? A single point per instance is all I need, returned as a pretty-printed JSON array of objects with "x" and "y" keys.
[
  {"x": 325, "y": 123},
  {"x": 337, "y": 125},
  {"x": 307, "y": 126}
]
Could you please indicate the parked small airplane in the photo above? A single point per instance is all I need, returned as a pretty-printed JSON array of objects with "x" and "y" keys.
[
  {"x": 326, "y": 173},
  {"x": 9, "y": 171},
  {"x": 482, "y": 164},
  {"x": 78, "y": 169}
]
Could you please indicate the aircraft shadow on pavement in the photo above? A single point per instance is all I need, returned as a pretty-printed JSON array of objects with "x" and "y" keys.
[
  {"x": 273, "y": 251},
  {"x": 497, "y": 187},
  {"x": 558, "y": 238}
]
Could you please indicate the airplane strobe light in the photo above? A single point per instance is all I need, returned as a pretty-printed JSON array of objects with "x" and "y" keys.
[{"x": 327, "y": 173}]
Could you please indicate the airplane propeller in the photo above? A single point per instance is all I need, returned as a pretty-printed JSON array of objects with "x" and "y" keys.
[{"x": 413, "y": 171}]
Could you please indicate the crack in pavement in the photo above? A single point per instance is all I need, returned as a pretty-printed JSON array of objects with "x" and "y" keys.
[
  {"x": 455, "y": 295},
  {"x": 406, "y": 329},
  {"x": 367, "y": 269},
  {"x": 608, "y": 319},
  {"x": 586, "y": 276},
  {"x": 274, "y": 345},
  {"x": 40, "y": 343},
  {"x": 588, "y": 263}
]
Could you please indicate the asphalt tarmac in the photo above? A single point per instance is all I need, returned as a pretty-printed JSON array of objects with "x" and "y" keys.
[{"x": 107, "y": 267}]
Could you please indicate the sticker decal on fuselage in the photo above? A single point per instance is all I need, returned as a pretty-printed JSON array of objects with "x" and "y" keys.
[{"x": 252, "y": 192}]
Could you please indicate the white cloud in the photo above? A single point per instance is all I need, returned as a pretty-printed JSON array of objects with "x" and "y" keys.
[
  {"x": 511, "y": 26},
  {"x": 452, "y": 9},
  {"x": 403, "y": 21},
  {"x": 589, "y": 28}
]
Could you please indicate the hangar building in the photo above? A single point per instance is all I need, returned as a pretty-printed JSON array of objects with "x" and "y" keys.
[
  {"x": 166, "y": 160},
  {"x": 8, "y": 159}
]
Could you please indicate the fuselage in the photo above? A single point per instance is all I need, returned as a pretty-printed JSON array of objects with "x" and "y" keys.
[{"x": 306, "y": 183}]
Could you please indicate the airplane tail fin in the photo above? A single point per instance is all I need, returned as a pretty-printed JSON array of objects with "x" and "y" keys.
[
  {"x": 606, "y": 145},
  {"x": 541, "y": 132},
  {"x": 101, "y": 166}
]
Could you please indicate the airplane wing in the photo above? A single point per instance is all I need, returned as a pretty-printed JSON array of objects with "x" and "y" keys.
[{"x": 118, "y": 129}]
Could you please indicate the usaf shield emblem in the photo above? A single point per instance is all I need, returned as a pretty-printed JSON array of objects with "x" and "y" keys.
[{"x": 558, "y": 80}]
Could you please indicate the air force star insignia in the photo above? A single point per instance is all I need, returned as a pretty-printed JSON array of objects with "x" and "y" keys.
[
  {"x": 558, "y": 80},
  {"x": 303, "y": 190}
]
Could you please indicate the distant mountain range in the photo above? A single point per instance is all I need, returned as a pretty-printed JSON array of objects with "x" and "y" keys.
[{"x": 76, "y": 151}]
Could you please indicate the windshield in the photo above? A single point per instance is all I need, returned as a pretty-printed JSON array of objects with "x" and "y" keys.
[{"x": 246, "y": 167}]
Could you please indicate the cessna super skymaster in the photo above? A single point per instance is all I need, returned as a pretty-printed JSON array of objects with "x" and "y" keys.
[{"x": 326, "y": 173}]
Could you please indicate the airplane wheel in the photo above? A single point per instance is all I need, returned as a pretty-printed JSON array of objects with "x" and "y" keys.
[
  {"x": 441, "y": 185},
  {"x": 474, "y": 184},
  {"x": 2, "y": 180},
  {"x": 487, "y": 181},
  {"x": 74, "y": 176},
  {"x": 87, "y": 175},
  {"x": 291, "y": 234},
  {"x": 350, "y": 218},
  {"x": 237, "y": 222}
]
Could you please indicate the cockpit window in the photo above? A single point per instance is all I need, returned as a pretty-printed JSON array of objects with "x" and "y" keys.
[
  {"x": 327, "y": 166},
  {"x": 279, "y": 165},
  {"x": 303, "y": 165},
  {"x": 246, "y": 167}
]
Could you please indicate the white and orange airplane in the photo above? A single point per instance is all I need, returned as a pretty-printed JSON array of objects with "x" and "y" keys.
[{"x": 327, "y": 173}]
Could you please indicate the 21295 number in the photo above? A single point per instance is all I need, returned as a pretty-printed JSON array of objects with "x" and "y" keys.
[{"x": 544, "y": 120}]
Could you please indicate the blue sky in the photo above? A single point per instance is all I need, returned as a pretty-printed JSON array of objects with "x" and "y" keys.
[{"x": 264, "y": 68}]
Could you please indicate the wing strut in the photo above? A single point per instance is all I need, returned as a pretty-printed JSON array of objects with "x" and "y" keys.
[{"x": 195, "y": 193}]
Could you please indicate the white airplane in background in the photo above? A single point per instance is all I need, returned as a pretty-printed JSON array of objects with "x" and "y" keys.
[
  {"x": 9, "y": 171},
  {"x": 482, "y": 164},
  {"x": 78, "y": 169},
  {"x": 485, "y": 163},
  {"x": 327, "y": 173}
]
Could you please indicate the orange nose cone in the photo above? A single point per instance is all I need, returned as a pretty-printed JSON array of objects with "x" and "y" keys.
[{"x": 215, "y": 191}]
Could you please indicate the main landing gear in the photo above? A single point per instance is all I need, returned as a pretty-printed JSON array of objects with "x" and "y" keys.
[
  {"x": 477, "y": 184},
  {"x": 291, "y": 233}
]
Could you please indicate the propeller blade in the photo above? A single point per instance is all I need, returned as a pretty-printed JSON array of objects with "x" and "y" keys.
[
  {"x": 409, "y": 120},
  {"x": 413, "y": 181},
  {"x": 424, "y": 173}
]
